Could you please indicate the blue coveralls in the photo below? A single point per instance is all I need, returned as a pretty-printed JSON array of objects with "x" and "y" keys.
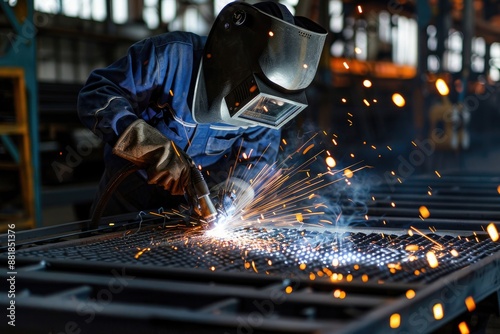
[{"x": 155, "y": 81}]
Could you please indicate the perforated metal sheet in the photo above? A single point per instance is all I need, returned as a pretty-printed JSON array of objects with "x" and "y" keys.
[{"x": 343, "y": 256}]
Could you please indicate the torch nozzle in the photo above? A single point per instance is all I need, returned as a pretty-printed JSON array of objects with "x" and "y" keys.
[{"x": 206, "y": 206}]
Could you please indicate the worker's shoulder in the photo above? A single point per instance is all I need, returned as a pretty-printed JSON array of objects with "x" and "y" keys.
[{"x": 179, "y": 37}]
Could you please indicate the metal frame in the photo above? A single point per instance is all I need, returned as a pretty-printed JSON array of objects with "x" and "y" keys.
[{"x": 22, "y": 54}]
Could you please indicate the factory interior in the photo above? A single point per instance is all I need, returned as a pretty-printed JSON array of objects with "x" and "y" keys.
[{"x": 379, "y": 215}]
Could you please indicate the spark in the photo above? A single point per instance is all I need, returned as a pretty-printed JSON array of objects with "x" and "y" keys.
[
  {"x": 437, "y": 173},
  {"x": 424, "y": 212},
  {"x": 330, "y": 162},
  {"x": 470, "y": 303},
  {"x": 340, "y": 294},
  {"x": 345, "y": 65},
  {"x": 308, "y": 148},
  {"x": 367, "y": 83},
  {"x": 254, "y": 267},
  {"x": 175, "y": 149},
  {"x": 156, "y": 214},
  {"x": 410, "y": 294},
  {"x": 348, "y": 173},
  {"x": 277, "y": 191},
  {"x": 398, "y": 100},
  {"x": 365, "y": 101},
  {"x": 438, "y": 311},
  {"x": 395, "y": 320},
  {"x": 411, "y": 248},
  {"x": 141, "y": 251},
  {"x": 463, "y": 328},
  {"x": 492, "y": 231},
  {"x": 432, "y": 259},
  {"x": 360, "y": 10},
  {"x": 442, "y": 87},
  {"x": 425, "y": 236}
]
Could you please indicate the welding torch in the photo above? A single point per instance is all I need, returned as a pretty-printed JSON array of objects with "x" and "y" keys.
[{"x": 206, "y": 207}]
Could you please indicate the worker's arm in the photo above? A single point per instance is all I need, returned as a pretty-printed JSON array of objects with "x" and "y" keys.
[
  {"x": 114, "y": 103},
  {"x": 114, "y": 97}
]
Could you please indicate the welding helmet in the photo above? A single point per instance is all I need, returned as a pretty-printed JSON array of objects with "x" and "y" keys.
[{"x": 257, "y": 62}]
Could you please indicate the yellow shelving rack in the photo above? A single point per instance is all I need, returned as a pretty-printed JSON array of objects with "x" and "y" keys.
[{"x": 15, "y": 137}]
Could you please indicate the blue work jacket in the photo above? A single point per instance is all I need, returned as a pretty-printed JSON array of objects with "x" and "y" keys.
[{"x": 155, "y": 82}]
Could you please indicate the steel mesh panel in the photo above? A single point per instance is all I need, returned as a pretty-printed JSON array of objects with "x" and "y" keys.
[{"x": 281, "y": 251}]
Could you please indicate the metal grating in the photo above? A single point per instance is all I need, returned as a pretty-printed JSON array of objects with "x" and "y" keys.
[{"x": 374, "y": 256}]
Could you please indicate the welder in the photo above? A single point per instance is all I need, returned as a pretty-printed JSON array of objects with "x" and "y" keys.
[{"x": 178, "y": 101}]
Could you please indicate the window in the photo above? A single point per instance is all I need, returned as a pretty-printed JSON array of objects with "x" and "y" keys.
[
  {"x": 84, "y": 9},
  {"x": 120, "y": 11},
  {"x": 478, "y": 53},
  {"x": 494, "y": 62},
  {"x": 452, "y": 57},
  {"x": 151, "y": 13}
]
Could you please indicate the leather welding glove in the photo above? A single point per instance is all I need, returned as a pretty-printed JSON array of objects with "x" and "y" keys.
[
  {"x": 166, "y": 164},
  {"x": 234, "y": 194}
]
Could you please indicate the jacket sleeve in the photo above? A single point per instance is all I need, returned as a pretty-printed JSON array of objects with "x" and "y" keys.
[
  {"x": 113, "y": 97},
  {"x": 258, "y": 147}
]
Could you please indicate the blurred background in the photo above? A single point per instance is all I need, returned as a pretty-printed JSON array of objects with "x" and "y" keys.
[{"x": 406, "y": 87}]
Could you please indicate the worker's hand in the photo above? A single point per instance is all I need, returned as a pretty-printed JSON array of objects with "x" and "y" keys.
[
  {"x": 166, "y": 164},
  {"x": 233, "y": 195}
]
